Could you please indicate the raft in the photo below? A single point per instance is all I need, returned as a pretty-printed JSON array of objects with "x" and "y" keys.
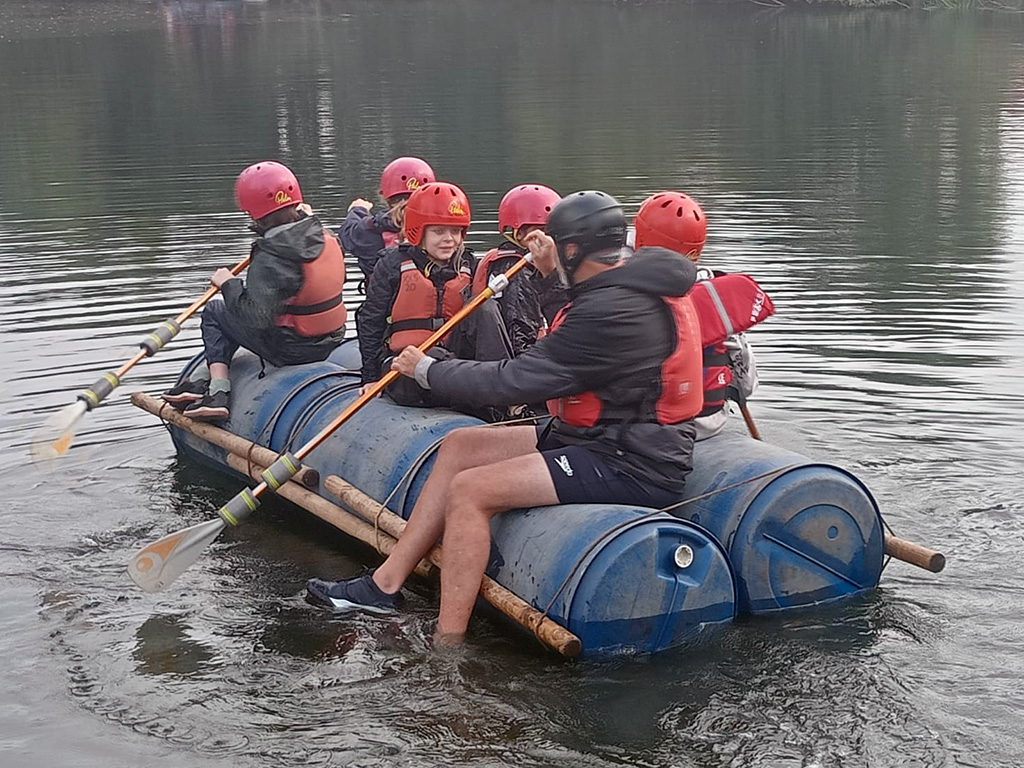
[{"x": 758, "y": 530}]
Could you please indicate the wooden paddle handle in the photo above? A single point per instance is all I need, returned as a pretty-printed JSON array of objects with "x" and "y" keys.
[
  {"x": 330, "y": 513},
  {"x": 915, "y": 554},
  {"x": 749, "y": 419},
  {"x": 208, "y": 294},
  {"x": 545, "y": 629}
]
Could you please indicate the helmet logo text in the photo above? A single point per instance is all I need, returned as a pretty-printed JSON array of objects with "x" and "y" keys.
[
  {"x": 412, "y": 183},
  {"x": 282, "y": 197},
  {"x": 455, "y": 208}
]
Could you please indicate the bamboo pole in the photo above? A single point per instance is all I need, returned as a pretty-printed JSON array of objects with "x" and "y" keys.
[
  {"x": 546, "y": 630},
  {"x": 915, "y": 554},
  {"x": 749, "y": 419},
  {"x": 330, "y": 513},
  {"x": 229, "y": 441}
]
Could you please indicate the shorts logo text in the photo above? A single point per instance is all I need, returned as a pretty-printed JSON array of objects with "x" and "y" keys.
[{"x": 563, "y": 462}]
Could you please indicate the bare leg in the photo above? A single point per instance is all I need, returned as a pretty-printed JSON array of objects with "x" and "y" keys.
[
  {"x": 218, "y": 370},
  {"x": 475, "y": 496},
  {"x": 461, "y": 449}
]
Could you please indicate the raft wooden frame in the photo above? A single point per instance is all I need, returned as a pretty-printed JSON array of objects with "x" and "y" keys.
[{"x": 367, "y": 520}]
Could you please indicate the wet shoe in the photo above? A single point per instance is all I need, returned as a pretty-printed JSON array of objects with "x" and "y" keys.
[
  {"x": 185, "y": 393},
  {"x": 212, "y": 407},
  {"x": 358, "y": 594}
]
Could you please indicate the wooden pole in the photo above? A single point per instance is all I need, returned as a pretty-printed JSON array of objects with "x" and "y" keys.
[
  {"x": 749, "y": 419},
  {"x": 330, "y": 513},
  {"x": 915, "y": 554},
  {"x": 230, "y": 442},
  {"x": 546, "y": 630}
]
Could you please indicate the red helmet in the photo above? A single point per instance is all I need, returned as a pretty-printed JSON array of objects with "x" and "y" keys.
[
  {"x": 671, "y": 220},
  {"x": 404, "y": 175},
  {"x": 526, "y": 204},
  {"x": 438, "y": 203},
  {"x": 265, "y": 187}
]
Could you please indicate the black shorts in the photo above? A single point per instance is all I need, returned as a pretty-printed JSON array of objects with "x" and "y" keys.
[{"x": 582, "y": 476}]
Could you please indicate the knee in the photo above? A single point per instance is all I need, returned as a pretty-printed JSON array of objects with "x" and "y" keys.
[
  {"x": 468, "y": 495},
  {"x": 458, "y": 443},
  {"x": 213, "y": 312}
]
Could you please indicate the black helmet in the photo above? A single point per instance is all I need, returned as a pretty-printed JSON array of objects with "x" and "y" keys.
[{"x": 593, "y": 220}]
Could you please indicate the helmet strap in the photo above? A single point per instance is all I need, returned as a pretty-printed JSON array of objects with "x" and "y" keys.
[
  {"x": 510, "y": 236},
  {"x": 567, "y": 264}
]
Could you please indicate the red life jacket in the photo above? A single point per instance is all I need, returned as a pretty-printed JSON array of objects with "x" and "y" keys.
[
  {"x": 419, "y": 309},
  {"x": 483, "y": 268},
  {"x": 681, "y": 395},
  {"x": 726, "y": 305},
  {"x": 317, "y": 308},
  {"x": 390, "y": 238}
]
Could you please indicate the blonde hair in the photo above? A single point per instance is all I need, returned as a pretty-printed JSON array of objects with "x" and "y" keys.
[{"x": 397, "y": 215}]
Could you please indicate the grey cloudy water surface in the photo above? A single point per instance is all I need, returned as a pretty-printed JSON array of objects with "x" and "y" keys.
[{"x": 867, "y": 166}]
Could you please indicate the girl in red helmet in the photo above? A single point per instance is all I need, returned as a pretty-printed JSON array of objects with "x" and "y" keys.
[
  {"x": 531, "y": 300},
  {"x": 419, "y": 284},
  {"x": 289, "y": 308},
  {"x": 676, "y": 221},
  {"x": 365, "y": 235}
]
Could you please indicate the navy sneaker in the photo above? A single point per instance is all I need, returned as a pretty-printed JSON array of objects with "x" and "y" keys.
[
  {"x": 185, "y": 393},
  {"x": 358, "y": 594},
  {"x": 212, "y": 407}
]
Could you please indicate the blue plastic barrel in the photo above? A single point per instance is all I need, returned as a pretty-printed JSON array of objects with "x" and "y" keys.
[
  {"x": 766, "y": 529},
  {"x": 797, "y": 532},
  {"x": 622, "y": 579}
]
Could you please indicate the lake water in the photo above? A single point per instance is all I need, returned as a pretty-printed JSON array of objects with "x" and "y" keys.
[{"x": 866, "y": 166}]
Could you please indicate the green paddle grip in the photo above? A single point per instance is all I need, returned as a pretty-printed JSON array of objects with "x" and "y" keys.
[
  {"x": 102, "y": 387},
  {"x": 281, "y": 471},
  {"x": 239, "y": 508},
  {"x": 163, "y": 333}
]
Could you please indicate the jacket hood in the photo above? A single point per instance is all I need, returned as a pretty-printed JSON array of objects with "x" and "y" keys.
[
  {"x": 302, "y": 240},
  {"x": 657, "y": 271}
]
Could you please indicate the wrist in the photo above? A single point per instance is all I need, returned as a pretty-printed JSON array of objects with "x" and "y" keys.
[{"x": 421, "y": 371}]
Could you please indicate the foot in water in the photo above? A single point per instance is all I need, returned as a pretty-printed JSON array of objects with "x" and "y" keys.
[{"x": 358, "y": 594}]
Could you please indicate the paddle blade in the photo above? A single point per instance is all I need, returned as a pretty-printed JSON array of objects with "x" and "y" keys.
[
  {"x": 53, "y": 438},
  {"x": 156, "y": 565}
]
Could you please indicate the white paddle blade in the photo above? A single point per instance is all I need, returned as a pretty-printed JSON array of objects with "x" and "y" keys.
[
  {"x": 53, "y": 438},
  {"x": 156, "y": 565}
]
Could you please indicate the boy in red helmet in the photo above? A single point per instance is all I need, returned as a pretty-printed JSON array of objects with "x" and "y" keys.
[
  {"x": 365, "y": 235},
  {"x": 676, "y": 221},
  {"x": 289, "y": 308},
  {"x": 418, "y": 285},
  {"x": 531, "y": 300}
]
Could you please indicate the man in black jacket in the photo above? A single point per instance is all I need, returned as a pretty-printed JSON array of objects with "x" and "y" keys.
[{"x": 608, "y": 361}]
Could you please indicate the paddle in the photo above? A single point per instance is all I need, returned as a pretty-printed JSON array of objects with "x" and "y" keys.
[
  {"x": 156, "y": 565},
  {"x": 54, "y": 437}
]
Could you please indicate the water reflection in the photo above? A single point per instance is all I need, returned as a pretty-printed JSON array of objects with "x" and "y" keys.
[
  {"x": 867, "y": 167},
  {"x": 165, "y": 648}
]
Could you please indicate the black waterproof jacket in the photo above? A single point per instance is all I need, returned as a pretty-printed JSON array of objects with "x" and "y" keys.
[
  {"x": 274, "y": 276},
  {"x": 381, "y": 292},
  {"x": 529, "y": 299},
  {"x": 613, "y": 341},
  {"x": 361, "y": 235}
]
